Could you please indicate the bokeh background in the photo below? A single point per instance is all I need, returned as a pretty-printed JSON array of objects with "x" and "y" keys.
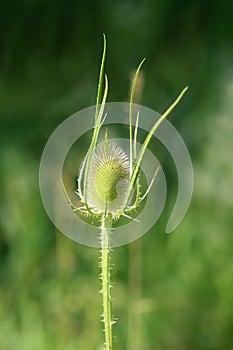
[{"x": 170, "y": 291}]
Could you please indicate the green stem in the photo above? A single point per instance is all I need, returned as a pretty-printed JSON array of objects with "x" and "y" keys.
[{"x": 106, "y": 227}]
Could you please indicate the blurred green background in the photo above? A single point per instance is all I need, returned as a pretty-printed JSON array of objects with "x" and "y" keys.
[{"x": 170, "y": 291}]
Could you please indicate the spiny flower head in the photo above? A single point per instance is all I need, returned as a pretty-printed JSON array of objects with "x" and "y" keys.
[{"x": 108, "y": 178}]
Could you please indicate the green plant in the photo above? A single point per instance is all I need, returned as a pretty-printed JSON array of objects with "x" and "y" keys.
[{"x": 109, "y": 183}]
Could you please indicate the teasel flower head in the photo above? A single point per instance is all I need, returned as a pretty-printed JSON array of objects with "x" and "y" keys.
[{"x": 108, "y": 178}]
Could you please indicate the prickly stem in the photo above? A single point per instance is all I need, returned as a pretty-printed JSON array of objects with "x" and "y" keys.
[{"x": 106, "y": 226}]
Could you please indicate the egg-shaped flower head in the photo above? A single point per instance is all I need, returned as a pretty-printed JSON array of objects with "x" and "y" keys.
[{"x": 108, "y": 178}]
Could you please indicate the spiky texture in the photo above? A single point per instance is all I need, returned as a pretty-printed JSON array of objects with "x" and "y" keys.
[{"x": 108, "y": 178}]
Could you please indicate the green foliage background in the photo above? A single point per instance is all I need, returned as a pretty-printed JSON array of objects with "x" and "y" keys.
[{"x": 171, "y": 292}]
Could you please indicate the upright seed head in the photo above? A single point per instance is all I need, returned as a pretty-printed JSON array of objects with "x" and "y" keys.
[{"x": 108, "y": 178}]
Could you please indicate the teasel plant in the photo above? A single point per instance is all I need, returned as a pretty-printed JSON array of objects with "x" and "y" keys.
[{"x": 108, "y": 183}]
